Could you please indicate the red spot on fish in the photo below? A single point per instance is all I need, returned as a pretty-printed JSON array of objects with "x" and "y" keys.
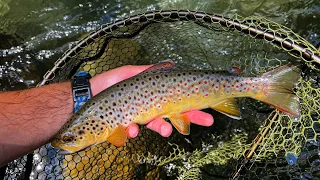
[
  {"x": 132, "y": 108},
  {"x": 205, "y": 82},
  {"x": 199, "y": 82},
  {"x": 188, "y": 95},
  {"x": 141, "y": 111},
  {"x": 217, "y": 87},
  {"x": 207, "y": 95},
  {"x": 185, "y": 84},
  {"x": 237, "y": 86},
  {"x": 228, "y": 86},
  {"x": 126, "y": 114},
  {"x": 147, "y": 103},
  {"x": 244, "y": 88},
  {"x": 178, "y": 90},
  {"x": 197, "y": 89},
  {"x": 232, "y": 85}
]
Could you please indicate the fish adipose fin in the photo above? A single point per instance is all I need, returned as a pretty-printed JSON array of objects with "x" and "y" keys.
[
  {"x": 118, "y": 136},
  {"x": 228, "y": 107},
  {"x": 181, "y": 122},
  {"x": 279, "y": 92}
]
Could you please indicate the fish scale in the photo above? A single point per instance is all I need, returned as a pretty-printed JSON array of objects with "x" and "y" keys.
[{"x": 167, "y": 93}]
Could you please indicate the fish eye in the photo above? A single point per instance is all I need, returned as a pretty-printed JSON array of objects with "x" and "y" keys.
[{"x": 67, "y": 138}]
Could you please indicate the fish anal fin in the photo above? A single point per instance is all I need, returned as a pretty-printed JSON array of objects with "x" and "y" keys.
[
  {"x": 181, "y": 122},
  {"x": 228, "y": 107},
  {"x": 163, "y": 65},
  {"x": 118, "y": 137}
]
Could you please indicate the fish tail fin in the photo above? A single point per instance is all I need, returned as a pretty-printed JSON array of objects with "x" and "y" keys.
[{"x": 279, "y": 91}]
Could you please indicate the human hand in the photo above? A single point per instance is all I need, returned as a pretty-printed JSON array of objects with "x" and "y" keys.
[{"x": 164, "y": 128}]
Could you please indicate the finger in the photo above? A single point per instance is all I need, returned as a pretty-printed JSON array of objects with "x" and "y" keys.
[
  {"x": 109, "y": 78},
  {"x": 160, "y": 126},
  {"x": 200, "y": 118},
  {"x": 132, "y": 130}
]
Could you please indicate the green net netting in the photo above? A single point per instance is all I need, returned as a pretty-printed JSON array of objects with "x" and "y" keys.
[{"x": 265, "y": 144}]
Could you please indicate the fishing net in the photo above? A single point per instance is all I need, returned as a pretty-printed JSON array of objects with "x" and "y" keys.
[{"x": 264, "y": 144}]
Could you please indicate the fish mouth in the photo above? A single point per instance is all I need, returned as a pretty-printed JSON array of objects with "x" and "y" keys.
[
  {"x": 64, "y": 152},
  {"x": 67, "y": 152}
]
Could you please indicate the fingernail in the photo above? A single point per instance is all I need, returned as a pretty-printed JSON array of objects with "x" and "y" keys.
[
  {"x": 133, "y": 132},
  {"x": 165, "y": 131}
]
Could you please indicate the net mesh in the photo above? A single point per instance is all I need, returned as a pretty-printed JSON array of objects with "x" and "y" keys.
[{"x": 265, "y": 144}]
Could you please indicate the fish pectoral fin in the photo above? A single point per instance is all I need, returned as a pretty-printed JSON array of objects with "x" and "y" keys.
[
  {"x": 118, "y": 136},
  {"x": 181, "y": 122},
  {"x": 228, "y": 107}
]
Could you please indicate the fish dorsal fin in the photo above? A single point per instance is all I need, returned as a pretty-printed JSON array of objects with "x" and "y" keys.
[
  {"x": 163, "y": 65},
  {"x": 181, "y": 122},
  {"x": 228, "y": 107},
  {"x": 118, "y": 137}
]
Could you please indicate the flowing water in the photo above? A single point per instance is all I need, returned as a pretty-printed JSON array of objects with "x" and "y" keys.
[{"x": 35, "y": 33}]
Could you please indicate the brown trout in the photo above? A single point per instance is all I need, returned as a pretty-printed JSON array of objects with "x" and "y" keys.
[{"x": 163, "y": 91}]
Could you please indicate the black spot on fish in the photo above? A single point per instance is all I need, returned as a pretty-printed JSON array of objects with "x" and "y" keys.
[
  {"x": 100, "y": 107},
  {"x": 184, "y": 74},
  {"x": 114, "y": 104},
  {"x": 131, "y": 84},
  {"x": 124, "y": 85},
  {"x": 101, "y": 117},
  {"x": 81, "y": 132}
]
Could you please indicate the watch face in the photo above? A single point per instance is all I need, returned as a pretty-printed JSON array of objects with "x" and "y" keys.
[{"x": 83, "y": 74}]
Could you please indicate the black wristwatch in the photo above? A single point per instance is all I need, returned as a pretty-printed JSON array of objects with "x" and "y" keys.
[{"x": 81, "y": 89}]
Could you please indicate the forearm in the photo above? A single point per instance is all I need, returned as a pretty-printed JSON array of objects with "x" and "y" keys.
[{"x": 29, "y": 118}]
